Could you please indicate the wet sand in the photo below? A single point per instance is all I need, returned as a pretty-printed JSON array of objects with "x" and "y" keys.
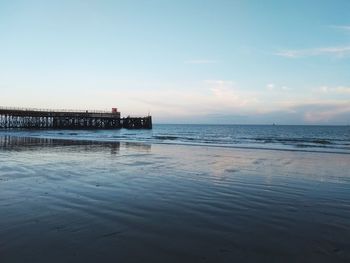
[{"x": 75, "y": 201}]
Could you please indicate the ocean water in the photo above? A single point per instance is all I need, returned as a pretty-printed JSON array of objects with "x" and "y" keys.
[
  {"x": 177, "y": 193},
  {"x": 300, "y": 138}
]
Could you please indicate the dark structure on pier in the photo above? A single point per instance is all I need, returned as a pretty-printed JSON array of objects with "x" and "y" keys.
[{"x": 69, "y": 119}]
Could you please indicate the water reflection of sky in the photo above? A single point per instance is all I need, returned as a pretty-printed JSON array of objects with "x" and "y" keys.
[
  {"x": 112, "y": 201},
  {"x": 9, "y": 143}
]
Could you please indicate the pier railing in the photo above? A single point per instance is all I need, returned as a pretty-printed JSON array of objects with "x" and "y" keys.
[{"x": 52, "y": 110}]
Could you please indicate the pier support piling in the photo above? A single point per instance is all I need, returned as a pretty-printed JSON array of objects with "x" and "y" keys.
[{"x": 11, "y": 118}]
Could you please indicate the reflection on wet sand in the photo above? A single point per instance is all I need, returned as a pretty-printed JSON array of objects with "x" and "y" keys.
[
  {"x": 15, "y": 143},
  {"x": 74, "y": 201}
]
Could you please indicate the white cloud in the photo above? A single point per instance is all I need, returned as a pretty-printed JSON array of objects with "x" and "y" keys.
[
  {"x": 195, "y": 101},
  {"x": 338, "y": 52},
  {"x": 186, "y": 100},
  {"x": 201, "y": 61},
  {"x": 314, "y": 111},
  {"x": 285, "y": 88},
  {"x": 335, "y": 51},
  {"x": 325, "y": 112},
  {"x": 274, "y": 87},
  {"x": 337, "y": 90},
  {"x": 343, "y": 90},
  {"x": 345, "y": 28},
  {"x": 220, "y": 82},
  {"x": 226, "y": 93},
  {"x": 270, "y": 86}
]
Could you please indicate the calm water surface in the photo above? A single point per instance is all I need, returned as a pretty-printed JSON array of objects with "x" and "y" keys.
[{"x": 105, "y": 201}]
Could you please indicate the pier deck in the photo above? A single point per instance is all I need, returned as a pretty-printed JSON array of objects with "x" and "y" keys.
[{"x": 69, "y": 119}]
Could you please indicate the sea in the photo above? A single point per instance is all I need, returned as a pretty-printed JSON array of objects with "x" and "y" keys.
[{"x": 334, "y": 139}]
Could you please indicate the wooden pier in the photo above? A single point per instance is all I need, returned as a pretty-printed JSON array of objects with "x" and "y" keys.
[{"x": 11, "y": 118}]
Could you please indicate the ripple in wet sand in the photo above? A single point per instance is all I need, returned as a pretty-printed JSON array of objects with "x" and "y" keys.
[{"x": 105, "y": 202}]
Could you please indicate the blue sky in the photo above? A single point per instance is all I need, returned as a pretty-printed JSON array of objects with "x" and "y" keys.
[{"x": 285, "y": 62}]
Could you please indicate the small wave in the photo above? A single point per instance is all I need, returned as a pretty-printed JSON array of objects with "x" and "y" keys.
[
  {"x": 293, "y": 140},
  {"x": 321, "y": 141},
  {"x": 167, "y": 137},
  {"x": 247, "y": 137}
]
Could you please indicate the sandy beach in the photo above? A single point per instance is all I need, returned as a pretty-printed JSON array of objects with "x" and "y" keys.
[{"x": 80, "y": 201}]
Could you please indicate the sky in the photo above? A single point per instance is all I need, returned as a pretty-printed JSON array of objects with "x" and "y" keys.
[{"x": 183, "y": 61}]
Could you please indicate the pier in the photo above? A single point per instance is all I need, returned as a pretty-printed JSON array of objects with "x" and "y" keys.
[{"x": 23, "y": 118}]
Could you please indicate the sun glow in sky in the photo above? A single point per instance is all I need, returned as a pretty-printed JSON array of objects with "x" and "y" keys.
[{"x": 285, "y": 62}]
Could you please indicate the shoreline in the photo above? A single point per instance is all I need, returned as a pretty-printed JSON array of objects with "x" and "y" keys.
[{"x": 179, "y": 143}]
